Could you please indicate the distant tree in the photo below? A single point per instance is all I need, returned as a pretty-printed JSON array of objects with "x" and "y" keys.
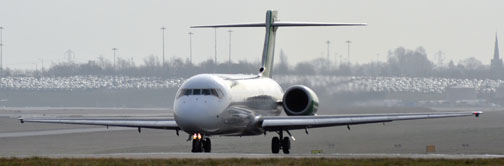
[
  {"x": 321, "y": 66},
  {"x": 124, "y": 63},
  {"x": 64, "y": 69},
  {"x": 152, "y": 61},
  {"x": 90, "y": 68},
  {"x": 103, "y": 62},
  {"x": 451, "y": 65},
  {"x": 283, "y": 66},
  {"x": 344, "y": 69},
  {"x": 6, "y": 72},
  {"x": 304, "y": 68},
  {"x": 208, "y": 66},
  {"x": 175, "y": 66},
  {"x": 471, "y": 63},
  {"x": 405, "y": 62},
  {"x": 400, "y": 62}
]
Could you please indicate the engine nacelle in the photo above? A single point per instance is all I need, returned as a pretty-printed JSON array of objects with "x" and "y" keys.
[{"x": 300, "y": 100}]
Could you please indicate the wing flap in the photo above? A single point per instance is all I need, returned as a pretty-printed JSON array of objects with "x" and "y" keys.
[
  {"x": 302, "y": 122},
  {"x": 169, "y": 124}
]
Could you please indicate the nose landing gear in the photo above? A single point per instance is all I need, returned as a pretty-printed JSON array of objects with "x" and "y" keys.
[
  {"x": 278, "y": 143},
  {"x": 201, "y": 143}
]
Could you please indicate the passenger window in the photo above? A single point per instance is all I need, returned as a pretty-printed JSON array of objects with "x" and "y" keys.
[
  {"x": 196, "y": 91},
  {"x": 206, "y": 92}
]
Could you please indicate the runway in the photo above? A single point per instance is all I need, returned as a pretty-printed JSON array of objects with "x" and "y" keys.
[
  {"x": 262, "y": 156},
  {"x": 465, "y": 137}
]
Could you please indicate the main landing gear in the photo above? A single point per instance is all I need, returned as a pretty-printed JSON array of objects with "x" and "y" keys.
[
  {"x": 201, "y": 143},
  {"x": 280, "y": 142}
]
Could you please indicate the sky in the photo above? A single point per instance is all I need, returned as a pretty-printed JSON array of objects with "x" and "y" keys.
[{"x": 36, "y": 31}]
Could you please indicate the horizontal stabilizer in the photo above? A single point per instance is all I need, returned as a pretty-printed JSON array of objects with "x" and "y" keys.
[
  {"x": 308, "y": 24},
  {"x": 280, "y": 24},
  {"x": 271, "y": 25},
  {"x": 260, "y": 24}
]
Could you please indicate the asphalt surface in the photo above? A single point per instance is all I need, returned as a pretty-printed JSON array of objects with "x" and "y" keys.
[
  {"x": 176, "y": 155},
  {"x": 465, "y": 137}
]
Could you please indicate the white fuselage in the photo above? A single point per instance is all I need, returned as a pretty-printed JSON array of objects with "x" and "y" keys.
[{"x": 226, "y": 104}]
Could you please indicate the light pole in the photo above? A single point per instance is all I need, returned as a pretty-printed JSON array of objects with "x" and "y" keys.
[
  {"x": 335, "y": 59},
  {"x": 190, "y": 46},
  {"x": 328, "y": 44},
  {"x": 348, "y": 42},
  {"x": 42, "y": 60},
  {"x": 1, "y": 48},
  {"x": 114, "y": 49},
  {"x": 215, "y": 41},
  {"x": 230, "y": 31},
  {"x": 163, "y": 29},
  {"x": 340, "y": 59}
]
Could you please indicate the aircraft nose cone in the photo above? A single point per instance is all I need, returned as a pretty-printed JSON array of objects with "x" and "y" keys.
[{"x": 192, "y": 119}]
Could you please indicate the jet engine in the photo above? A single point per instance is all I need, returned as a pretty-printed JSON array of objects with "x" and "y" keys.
[{"x": 300, "y": 100}]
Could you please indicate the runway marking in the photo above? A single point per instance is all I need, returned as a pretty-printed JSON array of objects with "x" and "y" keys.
[{"x": 59, "y": 132}]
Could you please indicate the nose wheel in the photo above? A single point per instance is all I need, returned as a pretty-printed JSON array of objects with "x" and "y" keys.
[
  {"x": 277, "y": 143},
  {"x": 201, "y": 144}
]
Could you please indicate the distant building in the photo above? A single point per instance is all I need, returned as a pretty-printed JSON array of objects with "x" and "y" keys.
[
  {"x": 457, "y": 93},
  {"x": 496, "y": 63},
  {"x": 499, "y": 91}
]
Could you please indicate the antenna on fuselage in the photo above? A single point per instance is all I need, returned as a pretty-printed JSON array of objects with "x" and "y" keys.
[{"x": 269, "y": 42}]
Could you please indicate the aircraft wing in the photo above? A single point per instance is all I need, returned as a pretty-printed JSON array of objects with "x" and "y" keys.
[
  {"x": 303, "y": 122},
  {"x": 157, "y": 123}
]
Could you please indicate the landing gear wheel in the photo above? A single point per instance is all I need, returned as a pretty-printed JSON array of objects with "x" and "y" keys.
[
  {"x": 275, "y": 145},
  {"x": 207, "y": 145},
  {"x": 286, "y": 145},
  {"x": 196, "y": 146}
]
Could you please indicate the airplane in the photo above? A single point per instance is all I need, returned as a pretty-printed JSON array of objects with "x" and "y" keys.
[{"x": 209, "y": 105}]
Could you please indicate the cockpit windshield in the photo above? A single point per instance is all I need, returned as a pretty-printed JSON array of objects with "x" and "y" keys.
[
  {"x": 206, "y": 92},
  {"x": 187, "y": 91}
]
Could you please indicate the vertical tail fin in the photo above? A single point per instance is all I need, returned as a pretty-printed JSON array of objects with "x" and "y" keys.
[
  {"x": 269, "y": 44},
  {"x": 269, "y": 41}
]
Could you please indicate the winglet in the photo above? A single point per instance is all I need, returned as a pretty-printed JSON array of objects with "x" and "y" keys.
[
  {"x": 21, "y": 120},
  {"x": 477, "y": 113}
]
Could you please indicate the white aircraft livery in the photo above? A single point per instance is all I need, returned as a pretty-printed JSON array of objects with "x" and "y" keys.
[{"x": 207, "y": 105}]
